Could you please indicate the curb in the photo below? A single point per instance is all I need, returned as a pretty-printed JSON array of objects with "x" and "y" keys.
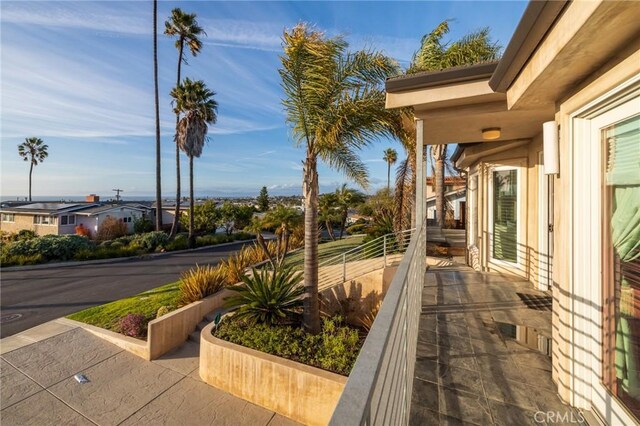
[{"x": 114, "y": 259}]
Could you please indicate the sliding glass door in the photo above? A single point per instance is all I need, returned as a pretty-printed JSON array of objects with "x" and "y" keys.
[{"x": 505, "y": 215}]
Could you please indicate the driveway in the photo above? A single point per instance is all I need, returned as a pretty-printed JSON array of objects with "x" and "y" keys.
[{"x": 33, "y": 297}]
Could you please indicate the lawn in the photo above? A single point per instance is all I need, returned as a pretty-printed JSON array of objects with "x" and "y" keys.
[
  {"x": 325, "y": 250},
  {"x": 147, "y": 303}
]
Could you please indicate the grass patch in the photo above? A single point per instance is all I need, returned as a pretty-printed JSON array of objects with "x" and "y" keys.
[
  {"x": 325, "y": 251},
  {"x": 146, "y": 303}
]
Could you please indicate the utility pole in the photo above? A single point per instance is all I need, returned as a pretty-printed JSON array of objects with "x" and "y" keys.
[{"x": 118, "y": 191}]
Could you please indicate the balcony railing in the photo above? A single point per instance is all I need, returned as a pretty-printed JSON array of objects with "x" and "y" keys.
[{"x": 378, "y": 391}]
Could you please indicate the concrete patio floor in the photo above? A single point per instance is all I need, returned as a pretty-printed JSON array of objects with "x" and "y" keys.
[
  {"x": 482, "y": 352},
  {"x": 38, "y": 386}
]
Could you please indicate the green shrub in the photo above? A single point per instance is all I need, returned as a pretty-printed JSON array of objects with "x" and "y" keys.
[
  {"x": 180, "y": 242},
  {"x": 199, "y": 282},
  {"x": 151, "y": 240},
  {"x": 125, "y": 240},
  {"x": 142, "y": 225},
  {"x": 335, "y": 348},
  {"x": 164, "y": 310},
  {"x": 269, "y": 297},
  {"x": 115, "y": 250},
  {"x": 50, "y": 247},
  {"x": 20, "y": 260}
]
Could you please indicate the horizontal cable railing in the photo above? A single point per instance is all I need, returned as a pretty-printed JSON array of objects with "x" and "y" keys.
[
  {"x": 368, "y": 257},
  {"x": 379, "y": 388}
]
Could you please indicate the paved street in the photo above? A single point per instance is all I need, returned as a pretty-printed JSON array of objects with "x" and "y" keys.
[{"x": 45, "y": 294}]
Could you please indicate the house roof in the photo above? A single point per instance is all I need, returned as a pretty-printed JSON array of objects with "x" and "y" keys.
[
  {"x": 538, "y": 17},
  {"x": 109, "y": 207},
  {"x": 439, "y": 78},
  {"x": 46, "y": 208}
]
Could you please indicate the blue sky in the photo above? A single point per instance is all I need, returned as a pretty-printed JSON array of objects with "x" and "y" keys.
[{"x": 79, "y": 76}]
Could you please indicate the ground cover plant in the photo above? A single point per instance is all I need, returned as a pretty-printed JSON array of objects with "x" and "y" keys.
[{"x": 335, "y": 348}]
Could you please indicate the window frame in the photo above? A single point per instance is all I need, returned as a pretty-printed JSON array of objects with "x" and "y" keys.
[
  {"x": 12, "y": 220},
  {"x": 506, "y": 166}
]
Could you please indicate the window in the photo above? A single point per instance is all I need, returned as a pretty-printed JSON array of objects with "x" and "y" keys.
[
  {"x": 621, "y": 261},
  {"x": 68, "y": 220},
  {"x": 473, "y": 210},
  {"x": 505, "y": 215},
  {"x": 44, "y": 220},
  {"x": 8, "y": 217}
]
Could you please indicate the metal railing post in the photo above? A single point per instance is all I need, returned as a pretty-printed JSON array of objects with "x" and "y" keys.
[
  {"x": 344, "y": 267},
  {"x": 384, "y": 249}
]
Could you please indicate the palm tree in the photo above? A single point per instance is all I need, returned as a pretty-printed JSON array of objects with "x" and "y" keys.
[
  {"x": 347, "y": 198},
  {"x": 186, "y": 28},
  {"x": 327, "y": 213},
  {"x": 35, "y": 151},
  {"x": 194, "y": 101},
  {"x": 285, "y": 220},
  {"x": 434, "y": 55},
  {"x": 155, "y": 83},
  {"x": 335, "y": 104},
  {"x": 390, "y": 156}
]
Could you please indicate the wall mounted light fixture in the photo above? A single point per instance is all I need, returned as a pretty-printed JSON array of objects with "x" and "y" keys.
[{"x": 550, "y": 148}]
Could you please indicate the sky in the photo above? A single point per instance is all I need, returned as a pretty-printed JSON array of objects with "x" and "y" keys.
[{"x": 79, "y": 75}]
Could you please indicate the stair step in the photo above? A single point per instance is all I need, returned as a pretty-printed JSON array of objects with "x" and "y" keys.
[
  {"x": 195, "y": 336},
  {"x": 202, "y": 324}
]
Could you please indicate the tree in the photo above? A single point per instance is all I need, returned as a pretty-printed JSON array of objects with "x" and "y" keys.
[
  {"x": 380, "y": 207},
  {"x": 334, "y": 102},
  {"x": 157, "y": 102},
  {"x": 186, "y": 28},
  {"x": 328, "y": 213},
  {"x": 347, "y": 198},
  {"x": 390, "y": 157},
  {"x": 263, "y": 200},
  {"x": 227, "y": 216},
  {"x": 434, "y": 55},
  {"x": 206, "y": 217},
  {"x": 194, "y": 101},
  {"x": 284, "y": 220},
  {"x": 34, "y": 151}
]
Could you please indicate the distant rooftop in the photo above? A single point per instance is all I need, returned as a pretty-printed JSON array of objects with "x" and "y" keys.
[{"x": 47, "y": 206}]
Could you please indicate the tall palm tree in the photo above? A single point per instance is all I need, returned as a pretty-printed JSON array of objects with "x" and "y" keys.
[
  {"x": 334, "y": 102},
  {"x": 347, "y": 198},
  {"x": 186, "y": 28},
  {"x": 35, "y": 151},
  {"x": 194, "y": 102},
  {"x": 434, "y": 55},
  {"x": 155, "y": 85},
  {"x": 327, "y": 213},
  {"x": 390, "y": 157}
]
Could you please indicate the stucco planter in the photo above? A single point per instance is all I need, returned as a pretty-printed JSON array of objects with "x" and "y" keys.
[{"x": 303, "y": 393}]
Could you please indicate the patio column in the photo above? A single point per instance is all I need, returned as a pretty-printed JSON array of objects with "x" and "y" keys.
[{"x": 420, "y": 181}]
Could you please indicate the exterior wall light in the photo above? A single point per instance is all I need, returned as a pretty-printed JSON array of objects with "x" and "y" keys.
[
  {"x": 491, "y": 133},
  {"x": 550, "y": 148}
]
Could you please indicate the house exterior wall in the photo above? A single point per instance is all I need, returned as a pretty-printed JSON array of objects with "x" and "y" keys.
[
  {"x": 577, "y": 272},
  {"x": 25, "y": 221}
]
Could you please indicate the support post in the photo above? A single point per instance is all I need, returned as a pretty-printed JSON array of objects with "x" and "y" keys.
[
  {"x": 344, "y": 267},
  {"x": 384, "y": 250},
  {"x": 420, "y": 181}
]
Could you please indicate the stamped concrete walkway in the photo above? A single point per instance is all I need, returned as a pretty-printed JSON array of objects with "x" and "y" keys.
[
  {"x": 38, "y": 387},
  {"x": 483, "y": 352}
]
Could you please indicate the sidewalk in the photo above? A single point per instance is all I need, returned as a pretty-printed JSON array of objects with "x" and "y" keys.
[{"x": 37, "y": 369}]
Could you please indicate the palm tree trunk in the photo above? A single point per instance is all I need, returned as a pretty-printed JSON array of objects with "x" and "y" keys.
[
  {"x": 30, "y": 173},
  {"x": 343, "y": 223},
  {"x": 155, "y": 82},
  {"x": 192, "y": 237},
  {"x": 311, "y": 314},
  {"x": 388, "y": 175},
  {"x": 330, "y": 230},
  {"x": 176, "y": 217}
]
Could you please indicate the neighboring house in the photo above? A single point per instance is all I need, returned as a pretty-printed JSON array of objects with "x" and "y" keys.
[
  {"x": 455, "y": 195},
  {"x": 62, "y": 218},
  {"x": 550, "y": 139}
]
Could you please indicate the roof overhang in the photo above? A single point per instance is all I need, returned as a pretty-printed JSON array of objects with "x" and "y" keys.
[{"x": 468, "y": 155}]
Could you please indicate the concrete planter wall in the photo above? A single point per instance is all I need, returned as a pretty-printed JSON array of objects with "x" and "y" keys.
[
  {"x": 303, "y": 393},
  {"x": 164, "y": 333}
]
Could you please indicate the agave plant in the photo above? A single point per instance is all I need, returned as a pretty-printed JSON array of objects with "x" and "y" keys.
[{"x": 268, "y": 297}]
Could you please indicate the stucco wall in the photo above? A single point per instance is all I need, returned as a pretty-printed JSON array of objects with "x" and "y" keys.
[{"x": 26, "y": 222}]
